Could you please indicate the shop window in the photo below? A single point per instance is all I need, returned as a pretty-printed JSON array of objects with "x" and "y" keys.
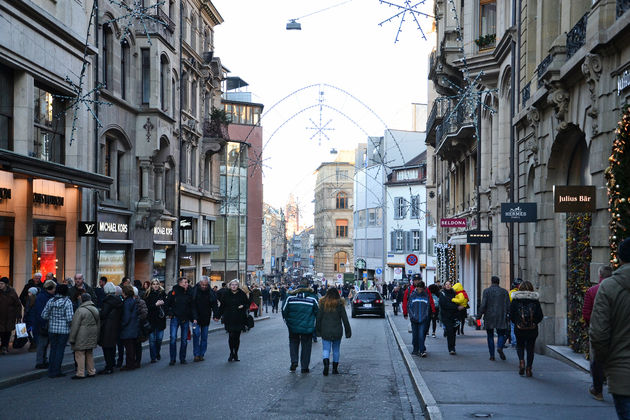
[
  {"x": 6, "y": 108},
  {"x": 124, "y": 67},
  {"x": 339, "y": 261},
  {"x": 48, "y": 248},
  {"x": 112, "y": 264},
  {"x": 342, "y": 200},
  {"x": 208, "y": 231},
  {"x": 341, "y": 228},
  {"x": 190, "y": 236},
  {"x": 159, "y": 264},
  {"x": 49, "y": 113},
  {"x": 146, "y": 75}
]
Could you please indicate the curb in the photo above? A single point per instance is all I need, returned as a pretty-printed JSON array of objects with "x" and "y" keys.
[
  {"x": 69, "y": 367},
  {"x": 431, "y": 409}
]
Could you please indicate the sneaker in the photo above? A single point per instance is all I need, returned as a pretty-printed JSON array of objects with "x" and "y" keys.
[
  {"x": 293, "y": 367},
  {"x": 433, "y": 335},
  {"x": 501, "y": 354},
  {"x": 423, "y": 354},
  {"x": 305, "y": 370},
  {"x": 597, "y": 395},
  {"x": 415, "y": 353},
  {"x": 77, "y": 377},
  {"x": 452, "y": 353},
  {"x": 171, "y": 363}
]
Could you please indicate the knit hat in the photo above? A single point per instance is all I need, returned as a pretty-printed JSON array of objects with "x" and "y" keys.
[
  {"x": 624, "y": 250},
  {"x": 49, "y": 284},
  {"x": 33, "y": 290},
  {"x": 5, "y": 280}
]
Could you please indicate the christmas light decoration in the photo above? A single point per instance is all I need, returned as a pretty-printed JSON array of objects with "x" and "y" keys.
[
  {"x": 407, "y": 8},
  {"x": 579, "y": 256}
]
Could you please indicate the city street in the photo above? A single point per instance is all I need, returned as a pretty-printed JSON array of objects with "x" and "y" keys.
[{"x": 373, "y": 384}]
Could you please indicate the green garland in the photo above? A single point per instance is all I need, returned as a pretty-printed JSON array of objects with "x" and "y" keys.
[
  {"x": 578, "y": 277},
  {"x": 618, "y": 183}
]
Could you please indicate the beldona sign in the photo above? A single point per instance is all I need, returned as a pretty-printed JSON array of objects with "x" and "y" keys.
[{"x": 518, "y": 212}]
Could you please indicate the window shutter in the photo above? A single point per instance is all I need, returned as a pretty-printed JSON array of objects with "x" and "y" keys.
[
  {"x": 409, "y": 241},
  {"x": 392, "y": 236},
  {"x": 421, "y": 249},
  {"x": 397, "y": 208}
]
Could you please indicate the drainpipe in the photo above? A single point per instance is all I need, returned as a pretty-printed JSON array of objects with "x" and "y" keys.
[
  {"x": 512, "y": 138},
  {"x": 179, "y": 177},
  {"x": 95, "y": 192}
]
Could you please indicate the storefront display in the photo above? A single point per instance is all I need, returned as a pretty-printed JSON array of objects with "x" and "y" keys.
[
  {"x": 112, "y": 264},
  {"x": 48, "y": 248}
]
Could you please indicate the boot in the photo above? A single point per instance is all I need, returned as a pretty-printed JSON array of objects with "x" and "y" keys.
[
  {"x": 335, "y": 366},
  {"x": 231, "y": 358},
  {"x": 326, "y": 366},
  {"x": 521, "y": 367},
  {"x": 528, "y": 371}
]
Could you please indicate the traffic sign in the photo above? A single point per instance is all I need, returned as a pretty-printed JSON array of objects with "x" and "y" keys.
[
  {"x": 398, "y": 273},
  {"x": 412, "y": 259},
  {"x": 339, "y": 276},
  {"x": 365, "y": 274},
  {"x": 379, "y": 271}
]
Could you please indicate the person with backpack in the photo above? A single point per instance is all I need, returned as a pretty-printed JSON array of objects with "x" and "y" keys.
[
  {"x": 526, "y": 314},
  {"x": 419, "y": 310},
  {"x": 495, "y": 304}
]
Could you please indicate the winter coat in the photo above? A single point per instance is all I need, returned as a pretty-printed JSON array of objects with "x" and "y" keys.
[
  {"x": 141, "y": 309},
  {"x": 179, "y": 303},
  {"x": 495, "y": 307},
  {"x": 283, "y": 293},
  {"x": 110, "y": 317},
  {"x": 10, "y": 309},
  {"x": 40, "y": 303},
  {"x": 154, "y": 311},
  {"x": 85, "y": 327},
  {"x": 59, "y": 312},
  {"x": 234, "y": 317},
  {"x": 448, "y": 309},
  {"x": 24, "y": 294},
  {"x": 300, "y": 311},
  {"x": 461, "y": 297},
  {"x": 74, "y": 293},
  {"x": 589, "y": 300},
  {"x": 256, "y": 296},
  {"x": 419, "y": 306},
  {"x": 275, "y": 295},
  {"x": 204, "y": 305},
  {"x": 525, "y": 308},
  {"x": 266, "y": 295},
  {"x": 129, "y": 323},
  {"x": 405, "y": 297},
  {"x": 610, "y": 330},
  {"x": 100, "y": 295},
  {"x": 329, "y": 323},
  {"x": 29, "y": 312}
]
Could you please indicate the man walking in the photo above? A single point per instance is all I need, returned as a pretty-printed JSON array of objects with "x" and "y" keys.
[
  {"x": 299, "y": 313},
  {"x": 419, "y": 311},
  {"x": 610, "y": 331},
  {"x": 495, "y": 306},
  {"x": 597, "y": 372},
  {"x": 179, "y": 305},
  {"x": 40, "y": 326},
  {"x": 204, "y": 304}
]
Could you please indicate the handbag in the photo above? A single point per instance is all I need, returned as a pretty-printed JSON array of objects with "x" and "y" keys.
[
  {"x": 20, "y": 330},
  {"x": 253, "y": 307},
  {"x": 19, "y": 342},
  {"x": 250, "y": 322}
]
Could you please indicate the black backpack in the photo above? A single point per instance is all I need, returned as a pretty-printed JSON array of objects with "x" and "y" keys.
[{"x": 525, "y": 320}]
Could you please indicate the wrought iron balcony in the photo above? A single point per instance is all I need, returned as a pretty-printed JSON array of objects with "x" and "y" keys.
[
  {"x": 156, "y": 28},
  {"x": 438, "y": 111},
  {"x": 542, "y": 68},
  {"x": 622, "y": 7},
  {"x": 170, "y": 25},
  {"x": 576, "y": 36},
  {"x": 457, "y": 128},
  {"x": 525, "y": 93}
]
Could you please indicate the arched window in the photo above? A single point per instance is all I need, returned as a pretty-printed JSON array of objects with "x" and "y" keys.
[
  {"x": 339, "y": 261},
  {"x": 341, "y": 228},
  {"x": 342, "y": 200},
  {"x": 124, "y": 67},
  {"x": 107, "y": 56},
  {"x": 163, "y": 82}
]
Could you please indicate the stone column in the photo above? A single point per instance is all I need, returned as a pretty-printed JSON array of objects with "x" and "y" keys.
[
  {"x": 159, "y": 182},
  {"x": 22, "y": 195},
  {"x": 23, "y": 117},
  {"x": 145, "y": 167}
]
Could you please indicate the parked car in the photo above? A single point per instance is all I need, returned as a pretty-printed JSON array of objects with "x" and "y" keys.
[{"x": 368, "y": 302}]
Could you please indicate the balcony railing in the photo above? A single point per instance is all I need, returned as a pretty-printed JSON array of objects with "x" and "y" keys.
[
  {"x": 542, "y": 68},
  {"x": 455, "y": 119},
  {"x": 170, "y": 25},
  {"x": 438, "y": 111},
  {"x": 576, "y": 36},
  {"x": 154, "y": 27},
  {"x": 525, "y": 93},
  {"x": 622, "y": 7}
]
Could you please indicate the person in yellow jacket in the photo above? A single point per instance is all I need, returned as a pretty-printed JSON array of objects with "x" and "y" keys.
[{"x": 460, "y": 299}]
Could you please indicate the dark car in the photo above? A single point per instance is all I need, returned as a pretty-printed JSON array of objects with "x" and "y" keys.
[{"x": 368, "y": 302}]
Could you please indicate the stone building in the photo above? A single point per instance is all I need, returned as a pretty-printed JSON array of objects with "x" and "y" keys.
[
  {"x": 333, "y": 216},
  {"x": 274, "y": 243},
  {"x": 48, "y": 181}
]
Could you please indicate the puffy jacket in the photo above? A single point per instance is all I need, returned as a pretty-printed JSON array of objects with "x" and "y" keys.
[
  {"x": 610, "y": 329},
  {"x": 405, "y": 298},
  {"x": 300, "y": 310},
  {"x": 418, "y": 306},
  {"x": 110, "y": 317},
  {"x": 129, "y": 323},
  {"x": 85, "y": 327},
  {"x": 179, "y": 303},
  {"x": 10, "y": 309},
  {"x": 525, "y": 304}
]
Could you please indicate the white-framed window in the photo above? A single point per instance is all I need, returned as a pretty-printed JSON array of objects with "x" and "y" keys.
[
  {"x": 415, "y": 206},
  {"x": 400, "y": 208},
  {"x": 400, "y": 240},
  {"x": 416, "y": 236}
]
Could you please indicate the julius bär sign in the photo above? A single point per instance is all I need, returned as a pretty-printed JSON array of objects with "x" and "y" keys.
[
  {"x": 574, "y": 198},
  {"x": 518, "y": 212}
]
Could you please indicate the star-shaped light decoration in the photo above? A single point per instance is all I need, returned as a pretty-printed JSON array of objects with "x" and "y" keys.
[
  {"x": 137, "y": 12},
  {"x": 410, "y": 8},
  {"x": 257, "y": 162},
  {"x": 321, "y": 127}
]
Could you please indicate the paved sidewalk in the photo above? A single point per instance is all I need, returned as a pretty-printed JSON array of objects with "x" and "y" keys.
[
  {"x": 19, "y": 365},
  {"x": 469, "y": 385}
]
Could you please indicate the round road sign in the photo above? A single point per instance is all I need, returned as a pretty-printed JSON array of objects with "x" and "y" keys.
[{"x": 412, "y": 259}]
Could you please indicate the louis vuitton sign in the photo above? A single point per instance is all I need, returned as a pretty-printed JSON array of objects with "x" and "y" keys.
[{"x": 47, "y": 199}]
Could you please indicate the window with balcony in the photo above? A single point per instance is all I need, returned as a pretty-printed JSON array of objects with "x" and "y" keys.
[
  {"x": 341, "y": 228},
  {"x": 6, "y": 108},
  {"x": 50, "y": 124},
  {"x": 342, "y": 200}
]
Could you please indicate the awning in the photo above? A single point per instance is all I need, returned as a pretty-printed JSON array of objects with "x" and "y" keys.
[
  {"x": 115, "y": 241},
  {"x": 458, "y": 240},
  {"x": 191, "y": 248},
  {"x": 165, "y": 242},
  {"x": 395, "y": 264},
  {"x": 30, "y": 166}
]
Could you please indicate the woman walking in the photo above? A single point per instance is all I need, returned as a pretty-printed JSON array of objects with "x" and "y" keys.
[
  {"x": 435, "y": 293},
  {"x": 129, "y": 327},
  {"x": 58, "y": 311},
  {"x": 233, "y": 309},
  {"x": 155, "y": 299},
  {"x": 526, "y": 314},
  {"x": 449, "y": 312},
  {"x": 83, "y": 336},
  {"x": 275, "y": 299},
  {"x": 110, "y": 317},
  {"x": 330, "y": 317},
  {"x": 10, "y": 312}
]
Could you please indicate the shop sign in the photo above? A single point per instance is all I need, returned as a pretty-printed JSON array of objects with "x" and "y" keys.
[
  {"x": 163, "y": 228},
  {"x": 518, "y": 212},
  {"x": 479, "y": 237},
  {"x": 45, "y": 228},
  {"x": 185, "y": 223},
  {"x": 47, "y": 199},
  {"x": 87, "y": 228},
  {"x": 623, "y": 81},
  {"x": 360, "y": 264},
  {"x": 574, "y": 198},
  {"x": 112, "y": 226},
  {"x": 453, "y": 223},
  {"x": 5, "y": 193}
]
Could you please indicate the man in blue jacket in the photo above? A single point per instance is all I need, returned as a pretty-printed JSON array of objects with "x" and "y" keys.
[
  {"x": 419, "y": 311},
  {"x": 300, "y": 312},
  {"x": 40, "y": 326}
]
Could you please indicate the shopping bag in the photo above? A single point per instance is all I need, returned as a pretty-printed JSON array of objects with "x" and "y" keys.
[
  {"x": 253, "y": 307},
  {"x": 20, "y": 330}
]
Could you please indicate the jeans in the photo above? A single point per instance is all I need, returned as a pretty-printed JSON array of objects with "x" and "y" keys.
[
  {"x": 274, "y": 305},
  {"x": 525, "y": 341},
  {"x": 450, "y": 337},
  {"x": 130, "y": 349},
  {"x": 326, "y": 347},
  {"x": 155, "y": 343},
  {"x": 500, "y": 341},
  {"x": 57, "y": 347},
  {"x": 110, "y": 357},
  {"x": 306, "y": 341},
  {"x": 418, "y": 334},
  {"x": 266, "y": 305},
  {"x": 42, "y": 349},
  {"x": 183, "y": 326},
  {"x": 622, "y": 406},
  {"x": 512, "y": 336},
  {"x": 597, "y": 372},
  {"x": 200, "y": 339}
]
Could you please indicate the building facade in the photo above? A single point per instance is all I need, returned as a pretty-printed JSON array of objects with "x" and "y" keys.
[
  {"x": 333, "y": 217},
  {"x": 274, "y": 244}
]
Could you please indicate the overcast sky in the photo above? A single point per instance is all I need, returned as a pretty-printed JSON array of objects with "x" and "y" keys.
[{"x": 367, "y": 82}]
